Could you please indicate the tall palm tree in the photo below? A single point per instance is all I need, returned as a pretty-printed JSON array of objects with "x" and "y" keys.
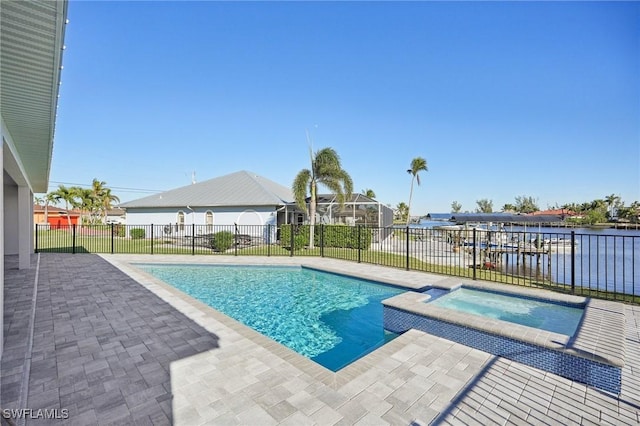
[
  {"x": 326, "y": 170},
  {"x": 418, "y": 165}
]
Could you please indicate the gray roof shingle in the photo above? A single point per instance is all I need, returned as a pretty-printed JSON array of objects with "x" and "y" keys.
[{"x": 241, "y": 188}]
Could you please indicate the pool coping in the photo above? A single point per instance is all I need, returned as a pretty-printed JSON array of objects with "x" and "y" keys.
[{"x": 202, "y": 314}]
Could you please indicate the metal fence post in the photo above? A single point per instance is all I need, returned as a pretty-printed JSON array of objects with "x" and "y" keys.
[
  {"x": 73, "y": 239},
  {"x": 36, "y": 248},
  {"x": 573, "y": 262},
  {"x": 322, "y": 240},
  {"x": 407, "y": 256},
  {"x": 359, "y": 244},
  {"x": 152, "y": 238},
  {"x": 112, "y": 228},
  {"x": 474, "y": 254},
  {"x": 269, "y": 240},
  {"x": 193, "y": 239},
  {"x": 235, "y": 246},
  {"x": 291, "y": 248}
]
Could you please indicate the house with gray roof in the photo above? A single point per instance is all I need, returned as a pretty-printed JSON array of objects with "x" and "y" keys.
[{"x": 241, "y": 198}]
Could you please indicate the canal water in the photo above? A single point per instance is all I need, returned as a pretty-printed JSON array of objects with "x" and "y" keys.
[{"x": 604, "y": 259}]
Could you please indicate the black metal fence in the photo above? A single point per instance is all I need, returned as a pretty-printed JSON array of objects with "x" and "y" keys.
[{"x": 598, "y": 265}]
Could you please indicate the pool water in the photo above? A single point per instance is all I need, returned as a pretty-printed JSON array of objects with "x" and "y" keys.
[
  {"x": 535, "y": 313},
  {"x": 332, "y": 319}
]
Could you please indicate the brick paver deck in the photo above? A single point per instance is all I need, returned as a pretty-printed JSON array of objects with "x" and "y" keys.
[{"x": 112, "y": 349}]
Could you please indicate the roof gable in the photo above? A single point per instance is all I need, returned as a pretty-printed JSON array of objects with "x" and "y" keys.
[{"x": 241, "y": 188}]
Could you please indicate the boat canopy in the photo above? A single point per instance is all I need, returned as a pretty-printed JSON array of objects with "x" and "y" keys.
[
  {"x": 505, "y": 218},
  {"x": 439, "y": 216}
]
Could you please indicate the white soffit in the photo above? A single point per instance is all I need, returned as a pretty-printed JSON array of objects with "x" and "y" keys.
[{"x": 31, "y": 43}]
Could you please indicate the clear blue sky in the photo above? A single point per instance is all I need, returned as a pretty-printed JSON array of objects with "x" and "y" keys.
[{"x": 503, "y": 99}]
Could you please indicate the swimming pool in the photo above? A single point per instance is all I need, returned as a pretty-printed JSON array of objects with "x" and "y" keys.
[
  {"x": 555, "y": 317},
  {"x": 329, "y": 318}
]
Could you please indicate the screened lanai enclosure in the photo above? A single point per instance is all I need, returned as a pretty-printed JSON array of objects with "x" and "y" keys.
[{"x": 357, "y": 210}]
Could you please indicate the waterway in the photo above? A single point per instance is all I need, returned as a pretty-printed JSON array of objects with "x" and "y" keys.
[{"x": 604, "y": 259}]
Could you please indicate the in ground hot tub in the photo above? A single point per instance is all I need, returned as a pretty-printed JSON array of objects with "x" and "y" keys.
[
  {"x": 557, "y": 317},
  {"x": 589, "y": 350}
]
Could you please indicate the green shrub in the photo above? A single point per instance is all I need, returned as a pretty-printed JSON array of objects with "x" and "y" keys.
[
  {"x": 119, "y": 230},
  {"x": 300, "y": 241},
  {"x": 137, "y": 233},
  {"x": 222, "y": 241},
  {"x": 300, "y": 236}
]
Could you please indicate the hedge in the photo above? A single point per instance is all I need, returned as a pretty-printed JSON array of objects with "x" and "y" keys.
[{"x": 341, "y": 236}]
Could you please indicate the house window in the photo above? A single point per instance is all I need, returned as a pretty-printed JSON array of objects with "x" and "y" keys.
[
  {"x": 208, "y": 220},
  {"x": 181, "y": 221}
]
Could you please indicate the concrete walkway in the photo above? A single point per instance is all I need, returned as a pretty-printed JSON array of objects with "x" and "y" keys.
[{"x": 114, "y": 346}]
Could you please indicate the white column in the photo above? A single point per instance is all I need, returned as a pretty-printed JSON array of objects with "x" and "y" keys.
[
  {"x": 25, "y": 231},
  {"x": 1, "y": 242}
]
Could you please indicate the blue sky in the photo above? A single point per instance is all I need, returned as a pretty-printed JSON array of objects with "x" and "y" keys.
[{"x": 503, "y": 99}]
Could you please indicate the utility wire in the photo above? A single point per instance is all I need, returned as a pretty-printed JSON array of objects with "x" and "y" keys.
[{"x": 119, "y": 188}]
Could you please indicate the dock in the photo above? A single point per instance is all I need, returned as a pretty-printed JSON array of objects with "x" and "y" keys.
[{"x": 492, "y": 256}]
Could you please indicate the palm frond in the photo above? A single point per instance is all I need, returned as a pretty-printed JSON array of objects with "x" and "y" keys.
[{"x": 299, "y": 187}]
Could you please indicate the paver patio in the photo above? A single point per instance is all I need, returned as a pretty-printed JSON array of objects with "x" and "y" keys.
[{"x": 114, "y": 346}]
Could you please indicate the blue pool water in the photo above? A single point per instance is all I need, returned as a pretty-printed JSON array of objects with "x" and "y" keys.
[
  {"x": 332, "y": 319},
  {"x": 535, "y": 313}
]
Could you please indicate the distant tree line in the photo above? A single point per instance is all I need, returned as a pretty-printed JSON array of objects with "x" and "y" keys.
[
  {"x": 607, "y": 209},
  {"x": 93, "y": 202}
]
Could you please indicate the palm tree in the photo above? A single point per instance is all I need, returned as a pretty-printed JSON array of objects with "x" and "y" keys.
[
  {"x": 86, "y": 201},
  {"x": 68, "y": 196},
  {"x": 326, "y": 170},
  {"x": 401, "y": 211},
  {"x": 103, "y": 198},
  {"x": 49, "y": 198},
  {"x": 107, "y": 198},
  {"x": 611, "y": 201},
  {"x": 418, "y": 165},
  {"x": 369, "y": 193},
  {"x": 97, "y": 186}
]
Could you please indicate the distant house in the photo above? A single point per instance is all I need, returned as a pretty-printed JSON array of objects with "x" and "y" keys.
[
  {"x": 56, "y": 217},
  {"x": 240, "y": 198},
  {"x": 116, "y": 215},
  {"x": 558, "y": 212}
]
